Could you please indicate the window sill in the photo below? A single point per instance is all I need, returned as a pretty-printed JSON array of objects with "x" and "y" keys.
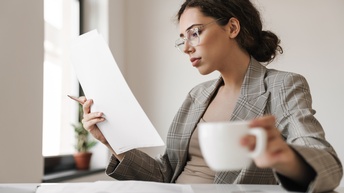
[
  {"x": 70, "y": 174},
  {"x": 62, "y": 167}
]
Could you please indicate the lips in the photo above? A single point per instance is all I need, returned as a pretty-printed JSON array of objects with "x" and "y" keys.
[{"x": 195, "y": 61}]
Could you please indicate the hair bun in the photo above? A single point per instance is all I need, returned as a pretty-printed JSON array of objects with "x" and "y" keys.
[{"x": 267, "y": 47}]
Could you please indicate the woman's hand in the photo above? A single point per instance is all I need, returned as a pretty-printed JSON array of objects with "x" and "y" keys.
[
  {"x": 277, "y": 150},
  {"x": 278, "y": 155},
  {"x": 90, "y": 120}
]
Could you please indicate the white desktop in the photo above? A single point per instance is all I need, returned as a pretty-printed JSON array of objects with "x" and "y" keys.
[{"x": 140, "y": 187}]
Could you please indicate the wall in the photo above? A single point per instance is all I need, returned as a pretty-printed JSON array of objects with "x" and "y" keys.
[
  {"x": 160, "y": 77},
  {"x": 21, "y": 90}
]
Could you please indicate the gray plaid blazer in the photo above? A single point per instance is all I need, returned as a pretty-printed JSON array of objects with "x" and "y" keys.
[{"x": 264, "y": 91}]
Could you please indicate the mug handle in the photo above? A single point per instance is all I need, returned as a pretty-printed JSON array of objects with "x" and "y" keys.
[{"x": 261, "y": 138}]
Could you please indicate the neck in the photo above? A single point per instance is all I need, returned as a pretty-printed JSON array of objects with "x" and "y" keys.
[{"x": 233, "y": 75}]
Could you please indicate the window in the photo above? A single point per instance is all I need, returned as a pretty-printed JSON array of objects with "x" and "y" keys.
[{"x": 61, "y": 26}]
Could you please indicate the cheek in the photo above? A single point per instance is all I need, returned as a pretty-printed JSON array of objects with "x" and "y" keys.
[{"x": 215, "y": 47}]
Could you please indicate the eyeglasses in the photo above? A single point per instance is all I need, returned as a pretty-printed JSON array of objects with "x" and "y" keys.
[{"x": 192, "y": 36}]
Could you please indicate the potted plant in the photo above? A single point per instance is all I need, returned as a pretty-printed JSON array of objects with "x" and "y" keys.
[{"x": 83, "y": 144}]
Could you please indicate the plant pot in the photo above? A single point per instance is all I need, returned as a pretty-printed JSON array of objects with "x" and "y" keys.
[{"x": 82, "y": 160}]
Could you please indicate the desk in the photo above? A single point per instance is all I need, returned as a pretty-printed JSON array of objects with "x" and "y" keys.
[{"x": 141, "y": 187}]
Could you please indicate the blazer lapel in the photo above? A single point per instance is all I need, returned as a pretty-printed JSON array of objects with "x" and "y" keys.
[
  {"x": 202, "y": 100},
  {"x": 253, "y": 98}
]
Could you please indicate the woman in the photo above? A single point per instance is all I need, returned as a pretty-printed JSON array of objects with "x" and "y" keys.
[{"x": 227, "y": 36}]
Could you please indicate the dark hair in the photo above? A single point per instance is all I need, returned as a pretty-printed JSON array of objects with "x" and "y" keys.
[{"x": 262, "y": 45}]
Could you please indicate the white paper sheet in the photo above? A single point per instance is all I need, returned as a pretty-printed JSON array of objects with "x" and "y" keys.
[
  {"x": 138, "y": 187},
  {"x": 126, "y": 126},
  {"x": 83, "y": 187},
  {"x": 115, "y": 187},
  {"x": 18, "y": 188},
  {"x": 156, "y": 187}
]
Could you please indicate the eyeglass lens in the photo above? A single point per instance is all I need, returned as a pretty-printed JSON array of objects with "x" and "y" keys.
[{"x": 192, "y": 38}]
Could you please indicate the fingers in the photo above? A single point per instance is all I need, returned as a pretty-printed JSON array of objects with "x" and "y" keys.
[
  {"x": 92, "y": 119},
  {"x": 249, "y": 141},
  {"x": 273, "y": 147},
  {"x": 267, "y": 123},
  {"x": 89, "y": 119},
  {"x": 87, "y": 106},
  {"x": 276, "y": 147},
  {"x": 81, "y": 99}
]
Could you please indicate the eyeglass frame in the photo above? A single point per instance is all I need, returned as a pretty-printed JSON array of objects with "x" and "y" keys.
[{"x": 181, "y": 41}]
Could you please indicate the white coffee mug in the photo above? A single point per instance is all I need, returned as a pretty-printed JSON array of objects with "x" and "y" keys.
[{"x": 221, "y": 148}]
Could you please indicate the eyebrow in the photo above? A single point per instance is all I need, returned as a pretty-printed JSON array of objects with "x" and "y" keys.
[{"x": 182, "y": 35}]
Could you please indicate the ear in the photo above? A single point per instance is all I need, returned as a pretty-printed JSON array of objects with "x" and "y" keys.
[{"x": 233, "y": 27}]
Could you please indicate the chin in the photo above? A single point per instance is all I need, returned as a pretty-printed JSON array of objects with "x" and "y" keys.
[{"x": 204, "y": 71}]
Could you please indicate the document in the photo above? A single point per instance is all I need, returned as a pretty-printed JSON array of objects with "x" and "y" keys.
[
  {"x": 139, "y": 187},
  {"x": 156, "y": 187},
  {"x": 126, "y": 126},
  {"x": 115, "y": 187},
  {"x": 18, "y": 188}
]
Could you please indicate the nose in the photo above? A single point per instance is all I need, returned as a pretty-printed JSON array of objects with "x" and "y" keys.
[{"x": 188, "y": 48}]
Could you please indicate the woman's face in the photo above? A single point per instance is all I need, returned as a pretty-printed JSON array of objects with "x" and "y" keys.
[{"x": 213, "y": 51}]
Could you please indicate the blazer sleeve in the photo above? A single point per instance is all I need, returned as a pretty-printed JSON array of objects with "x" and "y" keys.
[
  {"x": 304, "y": 133},
  {"x": 137, "y": 165}
]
